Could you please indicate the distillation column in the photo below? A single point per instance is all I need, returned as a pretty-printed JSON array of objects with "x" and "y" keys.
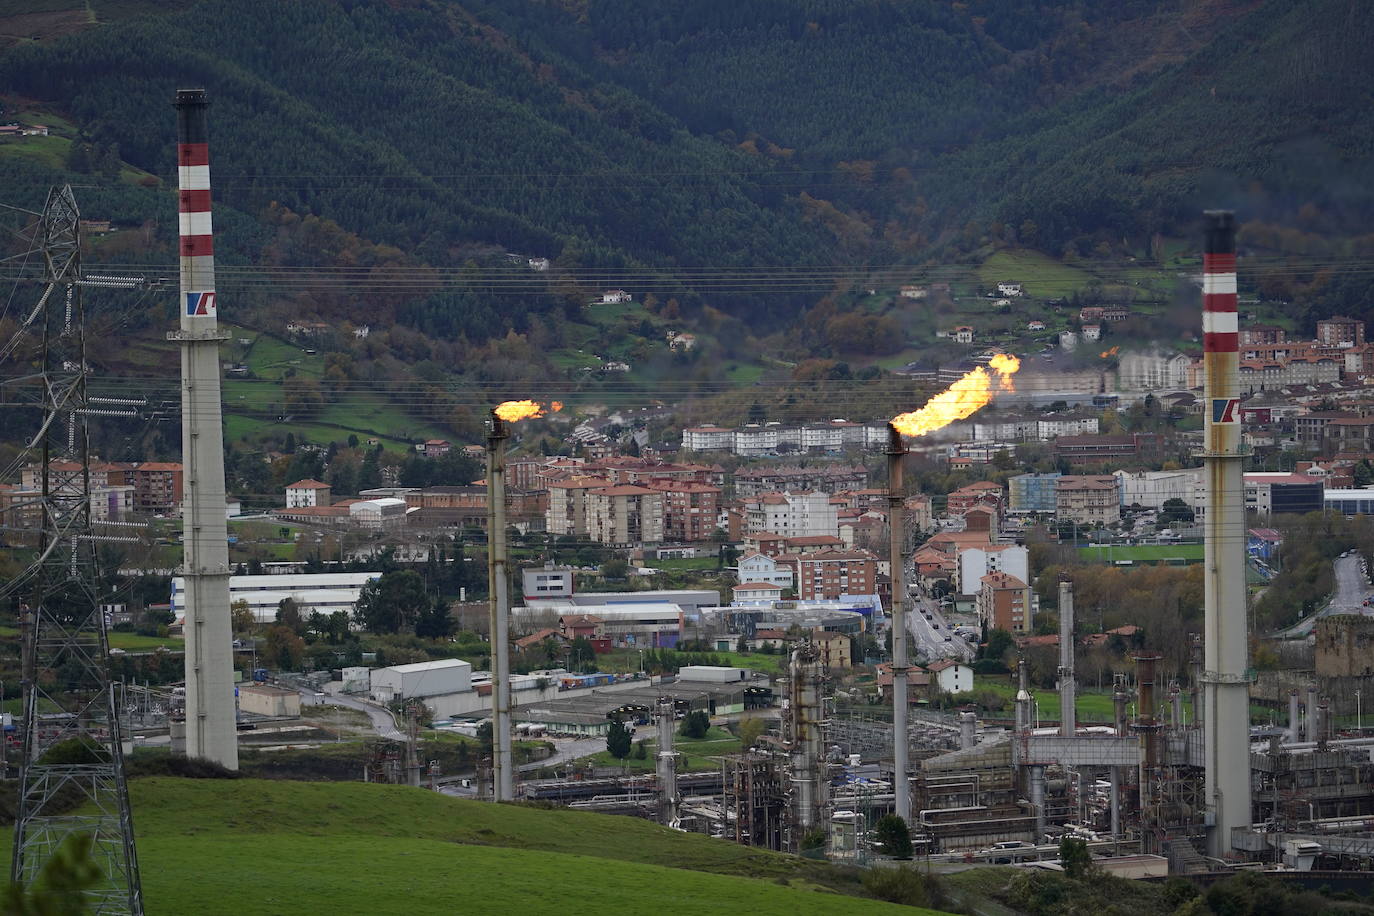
[
  {"x": 667, "y": 763},
  {"x": 1227, "y": 725},
  {"x": 1067, "y": 685},
  {"x": 211, "y": 729}
]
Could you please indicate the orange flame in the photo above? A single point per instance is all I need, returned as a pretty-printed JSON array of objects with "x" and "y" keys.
[
  {"x": 1109, "y": 353},
  {"x": 962, "y": 399},
  {"x": 510, "y": 411}
]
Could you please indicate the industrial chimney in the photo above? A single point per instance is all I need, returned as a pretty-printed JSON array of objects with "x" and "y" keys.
[
  {"x": 503, "y": 775},
  {"x": 901, "y": 786},
  {"x": 1226, "y": 729},
  {"x": 211, "y": 730},
  {"x": 1067, "y": 685}
]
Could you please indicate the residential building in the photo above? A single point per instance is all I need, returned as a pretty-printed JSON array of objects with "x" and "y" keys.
[
  {"x": 1340, "y": 331},
  {"x": 1033, "y": 492},
  {"x": 546, "y": 582},
  {"x": 1310, "y": 428},
  {"x": 689, "y": 510},
  {"x": 707, "y": 439},
  {"x": 1081, "y": 450},
  {"x": 950, "y": 676},
  {"x": 834, "y": 649},
  {"x": 1152, "y": 371},
  {"x": 1088, "y": 499},
  {"x": 434, "y": 448},
  {"x": 827, "y": 478},
  {"x": 625, "y": 514},
  {"x": 567, "y": 515},
  {"x": 616, "y": 296},
  {"x": 802, "y": 514},
  {"x": 977, "y": 562},
  {"x": 1348, "y": 434},
  {"x": 757, "y": 567},
  {"x": 157, "y": 487},
  {"x": 1261, "y": 335},
  {"x": 756, "y": 591},
  {"x": 307, "y": 493},
  {"x": 831, "y": 573},
  {"x": 1010, "y": 289},
  {"x": 1092, "y": 332},
  {"x": 962, "y": 334},
  {"x": 1004, "y": 603}
]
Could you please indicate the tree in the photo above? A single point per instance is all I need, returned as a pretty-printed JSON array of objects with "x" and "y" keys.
[
  {"x": 582, "y": 655},
  {"x": 434, "y": 621},
  {"x": 749, "y": 730},
  {"x": 241, "y": 617},
  {"x": 1175, "y": 510},
  {"x": 641, "y": 752},
  {"x": 1074, "y": 856},
  {"x": 289, "y": 615},
  {"x": 392, "y": 602},
  {"x": 696, "y": 724},
  {"x": 284, "y": 648},
  {"x": 60, "y": 889},
  {"x": 999, "y": 642},
  {"x": 618, "y": 740},
  {"x": 615, "y": 568},
  {"x": 893, "y": 837}
]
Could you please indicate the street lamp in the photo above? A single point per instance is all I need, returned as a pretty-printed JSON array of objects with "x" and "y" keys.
[{"x": 1359, "y": 717}]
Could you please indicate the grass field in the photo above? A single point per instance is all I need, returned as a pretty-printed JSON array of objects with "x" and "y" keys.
[
  {"x": 129, "y": 642},
  {"x": 1144, "y": 553},
  {"x": 697, "y": 753},
  {"x": 1040, "y": 275},
  {"x": 226, "y": 846}
]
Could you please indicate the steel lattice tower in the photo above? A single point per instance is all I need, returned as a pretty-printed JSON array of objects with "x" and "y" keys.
[{"x": 71, "y": 774}]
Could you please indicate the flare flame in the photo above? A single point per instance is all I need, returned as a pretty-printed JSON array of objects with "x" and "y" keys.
[
  {"x": 1105, "y": 354},
  {"x": 510, "y": 411},
  {"x": 962, "y": 399}
]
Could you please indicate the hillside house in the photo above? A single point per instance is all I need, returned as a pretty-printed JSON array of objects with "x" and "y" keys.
[
  {"x": 615, "y": 297},
  {"x": 1010, "y": 289}
]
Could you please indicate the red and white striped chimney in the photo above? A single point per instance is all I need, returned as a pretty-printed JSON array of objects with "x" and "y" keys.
[
  {"x": 1225, "y": 678},
  {"x": 197, "y": 246}
]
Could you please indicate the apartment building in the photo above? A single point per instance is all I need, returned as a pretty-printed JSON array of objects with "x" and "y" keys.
[
  {"x": 1088, "y": 499},
  {"x": 624, "y": 514},
  {"x": 567, "y": 514},
  {"x": 829, "y": 574},
  {"x": 689, "y": 510},
  {"x": 1004, "y": 603}
]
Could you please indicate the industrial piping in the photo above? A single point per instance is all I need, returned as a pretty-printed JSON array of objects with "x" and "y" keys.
[
  {"x": 901, "y": 786},
  {"x": 1226, "y": 687},
  {"x": 503, "y": 776},
  {"x": 211, "y": 730}
]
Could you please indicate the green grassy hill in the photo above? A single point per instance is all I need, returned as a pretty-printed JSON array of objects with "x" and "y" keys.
[{"x": 234, "y": 846}]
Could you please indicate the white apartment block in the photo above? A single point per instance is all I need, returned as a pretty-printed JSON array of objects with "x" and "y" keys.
[
  {"x": 792, "y": 515},
  {"x": 977, "y": 562},
  {"x": 707, "y": 439},
  {"x": 756, "y": 567},
  {"x": 1152, "y": 371}
]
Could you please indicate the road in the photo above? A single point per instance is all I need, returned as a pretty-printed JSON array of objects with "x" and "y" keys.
[
  {"x": 383, "y": 722},
  {"x": 565, "y": 749},
  {"x": 1352, "y": 587},
  {"x": 929, "y": 634}
]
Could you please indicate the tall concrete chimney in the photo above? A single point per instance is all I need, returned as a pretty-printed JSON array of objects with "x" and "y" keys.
[
  {"x": 1068, "y": 691},
  {"x": 896, "y": 515},
  {"x": 503, "y": 773},
  {"x": 968, "y": 730},
  {"x": 1226, "y": 687},
  {"x": 211, "y": 730},
  {"x": 1310, "y": 711}
]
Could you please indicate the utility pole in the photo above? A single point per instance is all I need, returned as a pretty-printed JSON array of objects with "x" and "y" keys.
[{"x": 68, "y": 698}]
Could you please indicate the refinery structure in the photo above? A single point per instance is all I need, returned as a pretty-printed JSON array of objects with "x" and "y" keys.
[{"x": 1178, "y": 780}]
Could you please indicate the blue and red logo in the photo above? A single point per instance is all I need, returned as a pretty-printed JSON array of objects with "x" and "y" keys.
[
  {"x": 1225, "y": 410},
  {"x": 201, "y": 305}
]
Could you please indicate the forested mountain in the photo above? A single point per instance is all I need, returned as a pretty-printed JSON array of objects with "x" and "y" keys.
[{"x": 412, "y": 137}]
